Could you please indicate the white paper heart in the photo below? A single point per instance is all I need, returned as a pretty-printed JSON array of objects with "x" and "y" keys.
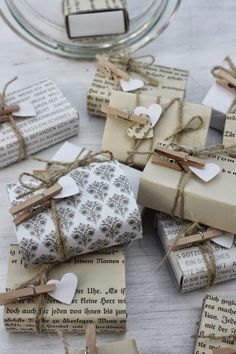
[
  {"x": 69, "y": 187},
  {"x": 131, "y": 84},
  {"x": 65, "y": 288},
  {"x": 226, "y": 240},
  {"x": 138, "y": 131},
  {"x": 153, "y": 112},
  {"x": 210, "y": 171},
  {"x": 26, "y": 110}
]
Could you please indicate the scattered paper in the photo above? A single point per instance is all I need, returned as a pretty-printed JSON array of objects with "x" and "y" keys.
[
  {"x": 210, "y": 171},
  {"x": 65, "y": 288},
  {"x": 131, "y": 84}
]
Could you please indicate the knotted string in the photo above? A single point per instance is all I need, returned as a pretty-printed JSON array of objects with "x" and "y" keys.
[{"x": 20, "y": 138}]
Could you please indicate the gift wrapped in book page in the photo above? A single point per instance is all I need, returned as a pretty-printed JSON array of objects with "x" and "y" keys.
[
  {"x": 187, "y": 263},
  {"x": 98, "y": 298},
  {"x": 46, "y": 118},
  {"x": 120, "y": 135},
  {"x": 103, "y": 212},
  {"x": 217, "y": 326},
  {"x": 157, "y": 80}
]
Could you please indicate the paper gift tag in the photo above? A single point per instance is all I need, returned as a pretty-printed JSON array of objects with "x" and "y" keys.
[
  {"x": 26, "y": 110},
  {"x": 69, "y": 187},
  {"x": 210, "y": 171},
  {"x": 65, "y": 288},
  {"x": 226, "y": 240},
  {"x": 138, "y": 131},
  {"x": 153, "y": 112},
  {"x": 131, "y": 84},
  {"x": 219, "y": 98}
]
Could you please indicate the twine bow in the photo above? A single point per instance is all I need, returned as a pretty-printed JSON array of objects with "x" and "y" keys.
[{"x": 9, "y": 118}]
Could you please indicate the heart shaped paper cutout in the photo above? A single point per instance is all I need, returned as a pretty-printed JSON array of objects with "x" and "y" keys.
[
  {"x": 226, "y": 240},
  {"x": 69, "y": 187},
  {"x": 131, "y": 84},
  {"x": 153, "y": 112},
  {"x": 26, "y": 110},
  {"x": 65, "y": 288},
  {"x": 138, "y": 131},
  {"x": 207, "y": 173}
]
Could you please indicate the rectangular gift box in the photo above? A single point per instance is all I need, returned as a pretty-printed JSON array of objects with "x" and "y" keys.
[
  {"x": 117, "y": 140},
  {"x": 55, "y": 120},
  {"x": 171, "y": 83},
  {"x": 187, "y": 264},
  {"x": 99, "y": 298},
  {"x": 128, "y": 346},
  {"x": 87, "y": 18},
  {"x": 104, "y": 213},
  {"x": 210, "y": 203},
  {"x": 218, "y": 320}
]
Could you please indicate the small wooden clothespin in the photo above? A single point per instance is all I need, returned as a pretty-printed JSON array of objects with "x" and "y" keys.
[
  {"x": 176, "y": 160},
  {"x": 142, "y": 119},
  {"x": 226, "y": 80},
  {"x": 15, "y": 295},
  {"x": 199, "y": 237},
  {"x": 27, "y": 209},
  {"x": 91, "y": 339},
  {"x": 6, "y": 110},
  {"x": 225, "y": 350},
  {"x": 107, "y": 67}
]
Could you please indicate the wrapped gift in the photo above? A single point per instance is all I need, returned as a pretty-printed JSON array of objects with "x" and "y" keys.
[
  {"x": 45, "y": 118},
  {"x": 102, "y": 212},
  {"x": 99, "y": 297},
  {"x": 187, "y": 263},
  {"x": 79, "y": 15},
  {"x": 217, "y": 326},
  {"x": 208, "y": 198},
  {"x": 158, "y": 80},
  {"x": 126, "y": 346},
  {"x": 120, "y": 141}
]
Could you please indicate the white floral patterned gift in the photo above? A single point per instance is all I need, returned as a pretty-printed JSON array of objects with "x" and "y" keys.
[{"x": 103, "y": 213}]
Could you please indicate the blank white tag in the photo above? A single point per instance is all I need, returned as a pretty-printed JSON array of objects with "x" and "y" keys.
[
  {"x": 131, "y": 84},
  {"x": 226, "y": 240},
  {"x": 65, "y": 288},
  {"x": 219, "y": 98},
  {"x": 207, "y": 173},
  {"x": 67, "y": 153},
  {"x": 26, "y": 110},
  {"x": 69, "y": 187}
]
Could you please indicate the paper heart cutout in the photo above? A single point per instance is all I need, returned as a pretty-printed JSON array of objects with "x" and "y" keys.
[
  {"x": 65, "y": 288},
  {"x": 138, "y": 131},
  {"x": 153, "y": 112},
  {"x": 26, "y": 110},
  {"x": 226, "y": 240},
  {"x": 207, "y": 173},
  {"x": 69, "y": 187},
  {"x": 131, "y": 84}
]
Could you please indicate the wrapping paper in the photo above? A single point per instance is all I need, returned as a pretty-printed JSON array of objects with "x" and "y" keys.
[
  {"x": 104, "y": 213},
  {"x": 126, "y": 346},
  {"x": 172, "y": 83},
  {"x": 211, "y": 203},
  {"x": 116, "y": 139},
  {"x": 55, "y": 120},
  {"x": 229, "y": 136},
  {"x": 218, "y": 319},
  {"x": 187, "y": 265},
  {"x": 99, "y": 298}
]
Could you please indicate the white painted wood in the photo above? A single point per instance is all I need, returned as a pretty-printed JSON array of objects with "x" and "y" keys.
[{"x": 161, "y": 319}]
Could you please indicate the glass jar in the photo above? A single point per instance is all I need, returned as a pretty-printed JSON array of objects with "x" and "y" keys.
[{"x": 46, "y": 29}]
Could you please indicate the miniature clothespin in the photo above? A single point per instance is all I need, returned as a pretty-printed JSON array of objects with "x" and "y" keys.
[
  {"x": 32, "y": 290},
  {"x": 199, "y": 237},
  {"x": 226, "y": 80},
  {"x": 91, "y": 339},
  {"x": 6, "y": 110},
  {"x": 107, "y": 67},
  {"x": 226, "y": 350},
  {"x": 27, "y": 209},
  {"x": 142, "y": 119},
  {"x": 176, "y": 160}
]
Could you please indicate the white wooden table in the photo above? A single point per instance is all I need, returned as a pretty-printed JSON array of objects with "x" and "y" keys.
[{"x": 161, "y": 319}]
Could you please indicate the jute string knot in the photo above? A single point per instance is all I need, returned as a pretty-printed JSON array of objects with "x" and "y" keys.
[{"x": 20, "y": 138}]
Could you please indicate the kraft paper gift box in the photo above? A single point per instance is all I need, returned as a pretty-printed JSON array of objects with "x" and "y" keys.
[
  {"x": 187, "y": 264},
  {"x": 210, "y": 203},
  {"x": 99, "y": 298},
  {"x": 53, "y": 120},
  {"x": 102, "y": 214},
  {"x": 218, "y": 319},
  {"x": 117, "y": 140},
  {"x": 171, "y": 83},
  {"x": 126, "y": 346},
  {"x": 88, "y": 18}
]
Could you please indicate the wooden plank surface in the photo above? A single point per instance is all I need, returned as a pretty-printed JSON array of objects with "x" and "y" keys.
[{"x": 161, "y": 319}]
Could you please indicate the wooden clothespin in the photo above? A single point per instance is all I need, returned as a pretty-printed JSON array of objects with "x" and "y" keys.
[
  {"x": 142, "y": 119},
  {"x": 199, "y": 237},
  {"x": 6, "y": 110},
  {"x": 27, "y": 209},
  {"x": 107, "y": 67},
  {"x": 91, "y": 339},
  {"x": 226, "y": 80},
  {"x": 226, "y": 350},
  {"x": 15, "y": 295},
  {"x": 176, "y": 160}
]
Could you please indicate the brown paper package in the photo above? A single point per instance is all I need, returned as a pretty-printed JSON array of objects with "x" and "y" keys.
[
  {"x": 116, "y": 139},
  {"x": 124, "y": 347}
]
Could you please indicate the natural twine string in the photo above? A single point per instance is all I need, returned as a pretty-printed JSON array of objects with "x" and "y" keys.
[{"x": 20, "y": 138}]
